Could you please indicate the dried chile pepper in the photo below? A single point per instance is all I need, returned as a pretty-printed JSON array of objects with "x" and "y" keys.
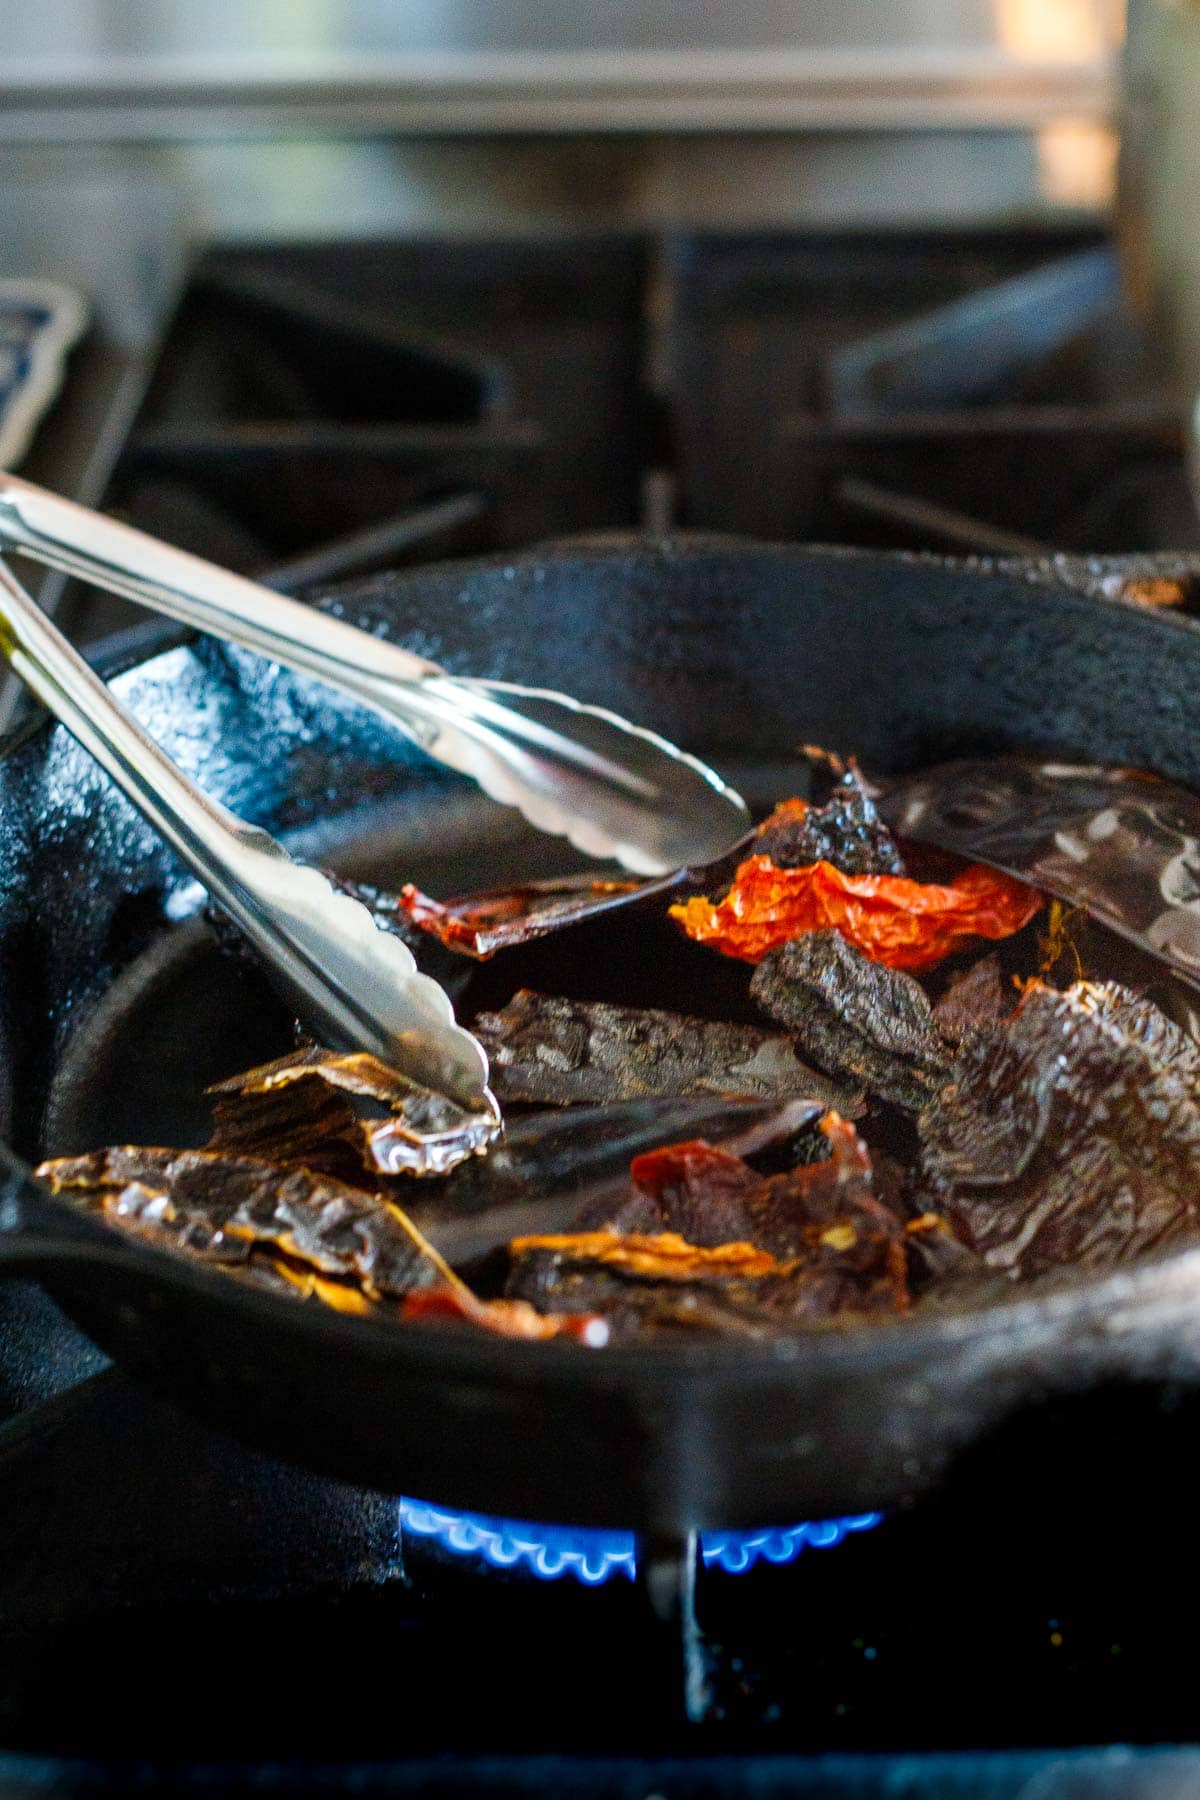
[{"x": 901, "y": 923}]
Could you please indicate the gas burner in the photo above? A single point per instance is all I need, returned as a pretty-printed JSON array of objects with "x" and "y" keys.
[{"x": 592, "y": 1557}]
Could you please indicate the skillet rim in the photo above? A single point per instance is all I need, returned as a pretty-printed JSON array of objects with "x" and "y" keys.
[{"x": 1102, "y": 1303}]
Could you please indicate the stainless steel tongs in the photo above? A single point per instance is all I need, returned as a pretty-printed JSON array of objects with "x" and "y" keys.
[
  {"x": 576, "y": 771},
  {"x": 355, "y": 984}
]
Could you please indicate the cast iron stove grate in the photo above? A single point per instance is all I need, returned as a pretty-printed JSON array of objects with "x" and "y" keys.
[
  {"x": 322, "y": 411},
  {"x": 318, "y": 413}
]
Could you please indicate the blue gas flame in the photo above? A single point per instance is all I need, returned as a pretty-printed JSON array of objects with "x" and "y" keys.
[{"x": 592, "y": 1557}]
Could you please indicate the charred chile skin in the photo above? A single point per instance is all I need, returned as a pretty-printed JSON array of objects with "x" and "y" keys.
[
  {"x": 856, "y": 1019},
  {"x": 844, "y": 829}
]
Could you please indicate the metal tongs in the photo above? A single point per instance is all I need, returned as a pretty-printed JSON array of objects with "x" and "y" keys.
[
  {"x": 576, "y": 771},
  {"x": 356, "y": 984}
]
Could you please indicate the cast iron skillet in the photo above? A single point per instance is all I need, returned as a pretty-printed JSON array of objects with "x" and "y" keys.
[{"x": 740, "y": 652}]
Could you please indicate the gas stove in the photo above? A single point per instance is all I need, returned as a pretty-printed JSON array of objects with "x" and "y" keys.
[
  {"x": 171, "y": 1601},
  {"x": 177, "y": 1609},
  {"x": 317, "y": 412}
]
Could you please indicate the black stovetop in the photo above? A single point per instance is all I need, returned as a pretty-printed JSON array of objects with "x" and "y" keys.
[
  {"x": 323, "y": 411},
  {"x": 168, "y": 1599}
]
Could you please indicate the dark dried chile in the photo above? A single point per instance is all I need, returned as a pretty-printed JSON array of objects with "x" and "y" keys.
[
  {"x": 1070, "y": 1135},
  {"x": 480, "y": 924},
  {"x": 833, "y": 1246},
  {"x": 227, "y": 1207},
  {"x": 974, "y": 999},
  {"x": 855, "y": 1018},
  {"x": 558, "y": 1052},
  {"x": 844, "y": 829},
  {"x": 698, "y": 1191}
]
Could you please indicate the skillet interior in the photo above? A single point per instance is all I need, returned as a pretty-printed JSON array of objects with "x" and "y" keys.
[{"x": 740, "y": 652}]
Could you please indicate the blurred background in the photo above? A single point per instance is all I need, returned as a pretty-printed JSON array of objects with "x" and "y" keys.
[
  {"x": 367, "y": 283},
  {"x": 320, "y": 117}
]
